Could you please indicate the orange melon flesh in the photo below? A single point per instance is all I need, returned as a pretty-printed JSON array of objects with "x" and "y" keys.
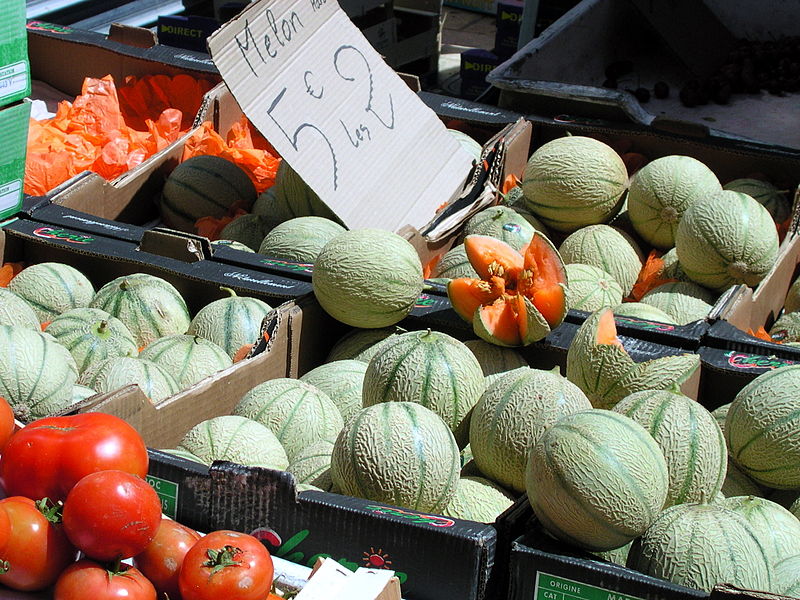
[
  {"x": 545, "y": 288},
  {"x": 502, "y": 321},
  {"x": 607, "y": 330},
  {"x": 467, "y": 294},
  {"x": 487, "y": 254}
]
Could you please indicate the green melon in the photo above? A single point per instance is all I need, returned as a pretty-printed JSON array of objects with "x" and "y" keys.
[
  {"x": 52, "y": 288},
  {"x": 596, "y": 479},
  {"x": 230, "y": 322},
  {"x": 640, "y": 310},
  {"x": 511, "y": 417},
  {"x": 237, "y": 440},
  {"x": 672, "y": 266},
  {"x": 432, "y": 369},
  {"x": 494, "y": 360},
  {"x": 466, "y": 454},
  {"x": 247, "y": 229},
  {"x": 700, "y": 546},
  {"x": 81, "y": 393},
  {"x": 689, "y": 437},
  {"x": 786, "y": 577},
  {"x": 119, "y": 371},
  {"x": 204, "y": 186},
  {"x": 297, "y": 413},
  {"x": 720, "y": 414},
  {"x": 232, "y": 244},
  {"x": 181, "y": 453},
  {"x": 737, "y": 483},
  {"x": 188, "y": 358},
  {"x": 92, "y": 335},
  {"x": 367, "y": 278},
  {"x": 763, "y": 428},
  {"x": 360, "y": 344},
  {"x": 467, "y": 143},
  {"x": 300, "y": 239},
  {"x": 795, "y": 508},
  {"x": 792, "y": 303},
  {"x": 574, "y": 181},
  {"x": 454, "y": 264},
  {"x": 478, "y": 499},
  {"x": 149, "y": 306},
  {"x": 293, "y": 197},
  {"x": 342, "y": 381},
  {"x": 766, "y": 194},
  {"x": 312, "y": 465},
  {"x": 776, "y": 528},
  {"x": 786, "y": 328},
  {"x": 685, "y": 302},
  {"x": 398, "y": 453},
  {"x": 504, "y": 223},
  {"x": 469, "y": 468},
  {"x": 726, "y": 239},
  {"x": 617, "y": 556},
  {"x": 591, "y": 288},
  {"x": 662, "y": 191},
  {"x": 36, "y": 378},
  {"x": 606, "y": 248},
  {"x": 16, "y": 311}
]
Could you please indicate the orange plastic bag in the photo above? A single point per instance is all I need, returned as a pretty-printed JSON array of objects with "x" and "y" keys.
[{"x": 8, "y": 271}]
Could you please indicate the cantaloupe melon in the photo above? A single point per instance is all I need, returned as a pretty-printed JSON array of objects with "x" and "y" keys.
[
  {"x": 235, "y": 439},
  {"x": 52, "y": 288},
  {"x": 478, "y": 499},
  {"x": 726, "y": 239},
  {"x": 766, "y": 194},
  {"x": 640, "y": 310},
  {"x": 432, "y": 369},
  {"x": 786, "y": 328},
  {"x": 591, "y": 288},
  {"x": 700, "y": 546},
  {"x": 763, "y": 428},
  {"x": 795, "y": 508},
  {"x": 512, "y": 415},
  {"x": 454, "y": 264},
  {"x": 16, "y": 311},
  {"x": 232, "y": 244},
  {"x": 672, "y": 266},
  {"x": 720, "y": 414},
  {"x": 662, "y": 191},
  {"x": 247, "y": 229},
  {"x": 495, "y": 360},
  {"x": 312, "y": 465},
  {"x": 792, "y": 303},
  {"x": 596, "y": 479},
  {"x": 293, "y": 197},
  {"x": 574, "y": 181},
  {"x": 504, "y": 223},
  {"x": 685, "y": 302},
  {"x": 119, "y": 371},
  {"x": 81, "y": 393},
  {"x": 786, "y": 577},
  {"x": 188, "y": 358},
  {"x": 342, "y": 381},
  {"x": 776, "y": 528},
  {"x": 467, "y": 143},
  {"x": 300, "y": 239},
  {"x": 689, "y": 437},
  {"x": 399, "y": 453},
  {"x": 367, "y": 278},
  {"x": 360, "y": 344},
  {"x": 617, "y": 556},
  {"x": 737, "y": 483}
]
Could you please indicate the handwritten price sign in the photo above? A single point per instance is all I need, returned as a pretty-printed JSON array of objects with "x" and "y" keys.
[{"x": 313, "y": 85}]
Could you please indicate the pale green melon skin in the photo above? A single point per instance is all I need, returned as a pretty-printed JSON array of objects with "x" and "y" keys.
[
  {"x": 726, "y": 239},
  {"x": 786, "y": 577},
  {"x": 312, "y": 465},
  {"x": 684, "y": 301},
  {"x": 469, "y": 144},
  {"x": 300, "y": 239},
  {"x": 764, "y": 193},
  {"x": 512, "y": 415},
  {"x": 504, "y": 223},
  {"x": 360, "y": 344},
  {"x": 52, "y": 288},
  {"x": 187, "y": 358},
  {"x": 119, "y": 371},
  {"x": 720, "y": 413},
  {"x": 591, "y": 288},
  {"x": 777, "y": 529},
  {"x": 606, "y": 248},
  {"x": 494, "y": 360},
  {"x": 617, "y": 556},
  {"x": 454, "y": 264},
  {"x": 737, "y": 483},
  {"x": 125, "y": 296},
  {"x": 81, "y": 393},
  {"x": 763, "y": 428},
  {"x": 792, "y": 303},
  {"x": 478, "y": 499},
  {"x": 367, "y": 278},
  {"x": 596, "y": 479},
  {"x": 432, "y": 369},
  {"x": 232, "y": 244},
  {"x": 92, "y": 335},
  {"x": 662, "y": 191},
  {"x": 399, "y": 453},
  {"x": 249, "y": 230},
  {"x": 574, "y": 181},
  {"x": 230, "y": 322},
  {"x": 297, "y": 413},
  {"x": 342, "y": 381},
  {"x": 640, "y": 310},
  {"x": 795, "y": 508},
  {"x": 35, "y": 376},
  {"x": 237, "y": 440},
  {"x": 689, "y": 437},
  {"x": 701, "y": 545},
  {"x": 293, "y": 197},
  {"x": 16, "y": 311},
  {"x": 786, "y": 328},
  {"x": 182, "y": 453},
  {"x": 672, "y": 266}
]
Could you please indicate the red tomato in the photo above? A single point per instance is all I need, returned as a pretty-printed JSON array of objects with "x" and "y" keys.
[
  {"x": 111, "y": 515},
  {"x": 226, "y": 564},
  {"x": 46, "y": 458},
  {"x": 161, "y": 560},
  {"x": 6, "y": 423},
  {"x": 87, "y": 579},
  {"x": 33, "y": 549}
]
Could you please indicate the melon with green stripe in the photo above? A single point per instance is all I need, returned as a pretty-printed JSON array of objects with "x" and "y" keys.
[
  {"x": 188, "y": 358},
  {"x": 596, "y": 479},
  {"x": 454, "y": 264},
  {"x": 360, "y": 344},
  {"x": 117, "y": 372},
  {"x": 204, "y": 186},
  {"x": 469, "y": 144},
  {"x": 640, "y": 310},
  {"x": 777, "y": 529},
  {"x": 36, "y": 373},
  {"x": 478, "y": 499},
  {"x": 398, "y": 453},
  {"x": 81, "y": 393},
  {"x": 726, "y": 239},
  {"x": 514, "y": 227},
  {"x": 494, "y": 360},
  {"x": 700, "y": 546},
  {"x": 792, "y": 303},
  {"x": 16, "y": 311},
  {"x": 512, "y": 415},
  {"x": 684, "y": 301},
  {"x": 297, "y": 413},
  {"x": 235, "y": 439},
  {"x": 292, "y": 197},
  {"x": 248, "y": 230},
  {"x": 300, "y": 239},
  {"x": 149, "y": 306},
  {"x": 432, "y": 369},
  {"x": 232, "y": 244},
  {"x": 689, "y": 437},
  {"x": 574, "y": 181},
  {"x": 786, "y": 577},
  {"x": 736, "y": 483},
  {"x": 672, "y": 266},
  {"x": 618, "y": 556},
  {"x": 312, "y": 465},
  {"x": 590, "y": 288},
  {"x": 766, "y": 194},
  {"x": 786, "y": 328},
  {"x": 52, "y": 288},
  {"x": 342, "y": 381},
  {"x": 762, "y": 428}
]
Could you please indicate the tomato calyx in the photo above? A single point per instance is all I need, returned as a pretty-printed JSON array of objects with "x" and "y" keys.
[
  {"x": 5, "y": 566},
  {"x": 52, "y": 511},
  {"x": 219, "y": 559}
]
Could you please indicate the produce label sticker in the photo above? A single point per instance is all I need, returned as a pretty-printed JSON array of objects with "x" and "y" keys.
[
  {"x": 168, "y": 494},
  {"x": 342, "y": 118},
  {"x": 550, "y": 587}
]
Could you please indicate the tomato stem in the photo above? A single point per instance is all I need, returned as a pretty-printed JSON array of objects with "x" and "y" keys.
[
  {"x": 219, "y": 559},
  {"x": 52, "y": 511},
  {"x": 5, "y": 566}
]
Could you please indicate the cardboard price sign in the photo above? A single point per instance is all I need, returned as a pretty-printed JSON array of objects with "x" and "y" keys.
[{"x": 317, "y": 90}]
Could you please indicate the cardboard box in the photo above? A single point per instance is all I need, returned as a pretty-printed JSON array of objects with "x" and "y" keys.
[
  {"x": 14, "y": 133},
  {"x": 15, "y": 78}
]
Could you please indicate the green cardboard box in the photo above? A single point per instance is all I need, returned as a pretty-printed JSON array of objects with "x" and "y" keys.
[
  {"x": 15, "y": 73},
  {"x": 14, "y": 133}
]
